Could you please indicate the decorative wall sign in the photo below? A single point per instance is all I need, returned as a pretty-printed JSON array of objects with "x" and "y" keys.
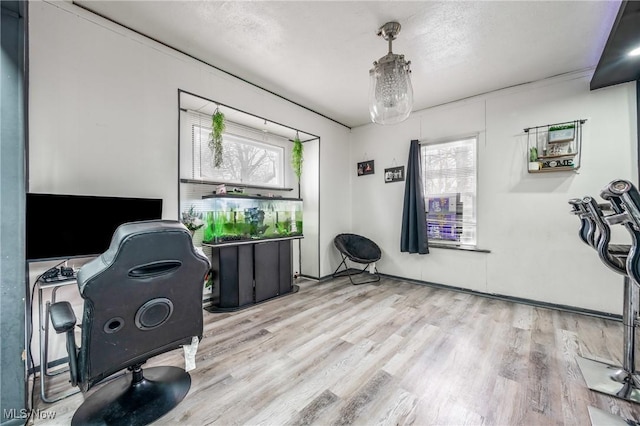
[
  {"x": 549, "y": 164},
  {"x": 366, "y": 168},
  {"x": 394, "y": 174}
]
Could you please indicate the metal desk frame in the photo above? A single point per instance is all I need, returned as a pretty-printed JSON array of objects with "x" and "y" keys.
[{"x": 43, "y": 312}]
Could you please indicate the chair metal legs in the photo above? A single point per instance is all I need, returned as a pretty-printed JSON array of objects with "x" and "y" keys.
[
  {"x": 350, "y": 273},
  {"x": 621, "y": 382}
]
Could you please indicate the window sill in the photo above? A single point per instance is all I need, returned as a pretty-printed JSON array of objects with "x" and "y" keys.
[{"x": 457, "y": 247}]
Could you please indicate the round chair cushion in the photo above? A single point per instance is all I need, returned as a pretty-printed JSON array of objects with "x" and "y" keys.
[{"x": 357, "y": 248}]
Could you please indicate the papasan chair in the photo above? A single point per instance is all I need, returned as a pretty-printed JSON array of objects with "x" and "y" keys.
[{"x": 357, "y": 249}]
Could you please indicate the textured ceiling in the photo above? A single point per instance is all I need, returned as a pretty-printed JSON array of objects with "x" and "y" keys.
[{"x": 318, "y": 53}]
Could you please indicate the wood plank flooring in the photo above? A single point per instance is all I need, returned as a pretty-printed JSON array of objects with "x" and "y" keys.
[{"x": 389, "y": 353}]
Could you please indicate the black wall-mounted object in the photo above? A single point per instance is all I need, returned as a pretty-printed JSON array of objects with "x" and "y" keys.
[
  {"x": 394, "y": 174},
  {"x": 615, "y": 66},
  {"x": 65, "y": 226},
  {"x": 366, "y": 168}
]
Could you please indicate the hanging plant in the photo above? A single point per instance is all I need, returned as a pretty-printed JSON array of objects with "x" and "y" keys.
[
  {"x": 215, "y": 143},
  {"x": 297, "y": 156}
]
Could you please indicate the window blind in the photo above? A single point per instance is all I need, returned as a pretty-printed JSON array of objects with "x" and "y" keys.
[{"x": 250, "y": 156}]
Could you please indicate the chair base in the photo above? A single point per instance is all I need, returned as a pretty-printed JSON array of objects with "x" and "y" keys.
[
  {"x": 600, "y": 378},
  {"x": 123, "y": 402},
  {"x": 352, "y": 272}
]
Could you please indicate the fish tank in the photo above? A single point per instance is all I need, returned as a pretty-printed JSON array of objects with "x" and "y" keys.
[{"x": 232, "y": 218}]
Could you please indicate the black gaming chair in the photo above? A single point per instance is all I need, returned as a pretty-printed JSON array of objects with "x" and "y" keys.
[
  {"x": 142, "y": 297},
  {"x": 357, "y": 249}
]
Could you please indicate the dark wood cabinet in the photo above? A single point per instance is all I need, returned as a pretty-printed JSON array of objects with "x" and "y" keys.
[
  {"x": 285, "y": 262},
  {"x": 233, "y": 268},
  {"x": 251, "y": 273}
]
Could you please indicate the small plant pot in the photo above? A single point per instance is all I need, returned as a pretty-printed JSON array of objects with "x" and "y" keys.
[{"x": 533, "y": 166}]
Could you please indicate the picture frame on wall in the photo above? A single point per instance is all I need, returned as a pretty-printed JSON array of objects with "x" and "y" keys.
[
  {"x": 366, "y": 168},
  {"x": 394, "y": 174}
]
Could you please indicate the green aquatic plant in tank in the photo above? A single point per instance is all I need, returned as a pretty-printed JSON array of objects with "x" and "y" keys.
[
  {"x": 209, "y": 228},
  {"x": 283, "y": 227},
  {"x": 231, "y": 219}
]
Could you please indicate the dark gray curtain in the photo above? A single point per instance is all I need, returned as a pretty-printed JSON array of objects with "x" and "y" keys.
[{"x": 414, "y": 219}]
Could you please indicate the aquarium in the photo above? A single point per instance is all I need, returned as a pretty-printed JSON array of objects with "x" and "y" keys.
[{"x": 234, "y": 218}]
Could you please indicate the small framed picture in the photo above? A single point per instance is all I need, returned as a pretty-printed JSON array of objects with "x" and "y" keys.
[
  {"x": 394, "y": 174},
  {"x": 366, "y": 168}
]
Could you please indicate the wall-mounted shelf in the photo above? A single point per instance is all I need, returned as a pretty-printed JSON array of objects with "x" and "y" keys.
[
  {"x": 547, "y": 157},
  {"x": 554, "y": 169},
  {"x": 250, "y": 197},
  {"x": 554, "y": 147},
  {"x": 234, "y": 185}
]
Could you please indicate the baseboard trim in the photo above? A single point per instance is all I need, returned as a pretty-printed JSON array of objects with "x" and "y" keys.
[
  {"x": 524, "y": 301},
  {"x": 321, "y": 279}
]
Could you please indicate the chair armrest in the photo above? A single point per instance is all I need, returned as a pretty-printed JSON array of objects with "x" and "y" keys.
[
  {"x": 62, "y": 317},
  {"x": 63, "y": 320}
]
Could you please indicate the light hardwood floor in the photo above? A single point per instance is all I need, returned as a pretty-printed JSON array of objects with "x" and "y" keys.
[{"x": 390, "y": 353}]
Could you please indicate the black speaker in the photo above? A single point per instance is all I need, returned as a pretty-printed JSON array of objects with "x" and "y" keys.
[{"x": 154, "y": 313}]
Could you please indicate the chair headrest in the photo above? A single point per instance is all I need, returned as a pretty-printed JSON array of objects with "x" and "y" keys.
[
  {"x": 129, "y": 230},
  {"x": 148, "y": 239}
]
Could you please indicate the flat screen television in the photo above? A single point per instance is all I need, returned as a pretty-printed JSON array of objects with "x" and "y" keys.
[{"x": 65, "y": 226}]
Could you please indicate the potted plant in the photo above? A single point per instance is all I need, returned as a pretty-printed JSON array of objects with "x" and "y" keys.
[
  {"x": 562, "y": 133},
  {"x": 192, "y": 220},
  {"x": 533, "y": 159},
  {"x": 208, "y": 281},
  {"x": 297, "y": 156},
  {"x": 215, "y": 143}
]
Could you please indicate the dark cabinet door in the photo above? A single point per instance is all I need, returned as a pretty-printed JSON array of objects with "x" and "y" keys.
[
  {"x": 252, "y": 273},
  {"x": 235, "y": 275},
  {"x": 286, "y": 277},
  {"x": 245, "y": 274},
  {"x": 267, "y": 270}
]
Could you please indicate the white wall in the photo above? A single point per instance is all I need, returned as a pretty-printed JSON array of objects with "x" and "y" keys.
[
  {"x": 103, "y": 116},
  {"x": 310, "y": 192},
  {"x": 523, "y": 218}
]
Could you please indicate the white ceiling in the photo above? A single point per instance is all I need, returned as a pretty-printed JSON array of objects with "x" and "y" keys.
[
  {"x": 198, "y": 104},
  {"x": 318, "y": 53}
]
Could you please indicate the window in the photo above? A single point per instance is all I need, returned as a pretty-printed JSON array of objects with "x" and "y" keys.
[
  {"x": 449, "y": 172},
  {"x": 245, "y": 160}
]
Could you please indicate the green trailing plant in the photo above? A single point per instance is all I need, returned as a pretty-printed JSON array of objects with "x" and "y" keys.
[
  {"x": 297, "y": 156},
  {"x": 215, "y": 143},
  {"x": 533, "y": 154},
  {"x": 562, "y": 127}
]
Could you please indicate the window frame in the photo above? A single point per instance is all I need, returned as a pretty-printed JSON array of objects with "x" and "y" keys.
[{"x": 450, "y": 139}]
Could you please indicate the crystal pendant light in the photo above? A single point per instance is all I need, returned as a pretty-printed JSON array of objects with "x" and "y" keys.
[{"x": 390, "y": 90}]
